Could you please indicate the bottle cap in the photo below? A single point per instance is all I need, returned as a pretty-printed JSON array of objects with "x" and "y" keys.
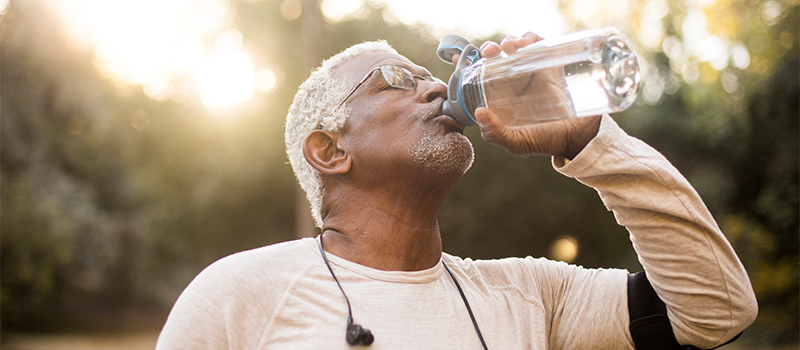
[{"x": 450, "y": 45}]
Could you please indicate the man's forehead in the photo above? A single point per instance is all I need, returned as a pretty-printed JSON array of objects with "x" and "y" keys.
[{"x": 356, "y": 67}]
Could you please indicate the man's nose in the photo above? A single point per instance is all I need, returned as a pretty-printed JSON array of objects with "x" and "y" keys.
[{"x": 431, "y": 90}]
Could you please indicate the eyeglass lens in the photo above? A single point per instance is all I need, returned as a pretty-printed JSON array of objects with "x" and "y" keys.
[{"x": 398, "y": 77}]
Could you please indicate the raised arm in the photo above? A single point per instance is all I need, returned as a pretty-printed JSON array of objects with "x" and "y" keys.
[{"x": 688, "y": 260}]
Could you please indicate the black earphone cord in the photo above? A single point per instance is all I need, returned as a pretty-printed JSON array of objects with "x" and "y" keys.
[
  {"x": 466, "y": 303},
  {"x": 350, "y": 310},
  {"x": 324, "y": 257}
]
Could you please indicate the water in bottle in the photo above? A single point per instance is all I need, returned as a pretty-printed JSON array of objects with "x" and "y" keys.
[{"x": 581, "y": 74}]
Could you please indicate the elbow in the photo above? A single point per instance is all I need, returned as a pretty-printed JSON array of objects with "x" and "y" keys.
[
  {"x": 744, "y": 308},
  {"x": 745, "y": 312},
  {"x": 712, "y": 331}
]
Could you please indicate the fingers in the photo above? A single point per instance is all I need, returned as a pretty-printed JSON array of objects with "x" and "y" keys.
[
  {"x": 490, "y": 49},
  {"x": 564, "y": 138},
  {"x": 527, "y": 39},
  {"x": 455, "y": 59},
  {"x": 508, "y": 45}
]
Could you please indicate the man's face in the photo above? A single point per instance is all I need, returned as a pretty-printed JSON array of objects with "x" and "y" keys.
[{"x": 395, "y": 128}]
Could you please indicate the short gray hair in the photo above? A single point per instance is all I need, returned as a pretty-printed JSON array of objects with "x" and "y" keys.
[{"x": 315, "y": 107}]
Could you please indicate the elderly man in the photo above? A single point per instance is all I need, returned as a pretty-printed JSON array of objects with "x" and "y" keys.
[{"x": 367, "y": 141}]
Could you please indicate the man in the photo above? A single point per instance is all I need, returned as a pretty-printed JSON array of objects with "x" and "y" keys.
[{"x": 377, "y": 159}]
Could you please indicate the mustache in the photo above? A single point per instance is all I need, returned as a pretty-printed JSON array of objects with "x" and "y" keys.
[{"x": 431, "y": 110}]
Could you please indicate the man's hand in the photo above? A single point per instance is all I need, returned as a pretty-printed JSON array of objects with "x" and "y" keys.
[{"x": 564, "y": 138}]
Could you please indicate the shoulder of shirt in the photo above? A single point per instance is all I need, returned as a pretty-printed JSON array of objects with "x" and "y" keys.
[
  {"x": 508, "y": 270},
  {"x": 223, "y": 297},
  {"x": 261, "y": 268},
  {"x": 536, "y": 278}
]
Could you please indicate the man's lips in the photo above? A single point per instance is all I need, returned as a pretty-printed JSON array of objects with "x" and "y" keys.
[{"x": 450, "y": 123}]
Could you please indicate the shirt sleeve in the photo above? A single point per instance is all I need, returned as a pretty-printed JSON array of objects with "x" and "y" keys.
[
  {"x": 587, "y": 307},
  {"x": 688, "y": 260}
]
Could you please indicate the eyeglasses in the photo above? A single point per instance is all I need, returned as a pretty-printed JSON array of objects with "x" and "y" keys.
[{"x": 397, "y": 77}]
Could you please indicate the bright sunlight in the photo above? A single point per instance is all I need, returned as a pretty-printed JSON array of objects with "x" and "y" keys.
[
  {"x": 188, "y": 50},
  {"x": 178, "y": 50}
]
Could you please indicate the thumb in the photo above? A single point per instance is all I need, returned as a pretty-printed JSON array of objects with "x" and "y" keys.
[
  {"x": 517, "y": 140},
  {"x": 492, "y": 130}
]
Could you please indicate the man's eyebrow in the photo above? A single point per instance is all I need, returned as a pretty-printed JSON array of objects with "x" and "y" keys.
[
  {"x": 414, "y": 69},
  {"x": 422, "y": 69}
]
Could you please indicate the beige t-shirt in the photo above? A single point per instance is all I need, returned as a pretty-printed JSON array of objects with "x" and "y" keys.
[{"x": 283, "y": 296}]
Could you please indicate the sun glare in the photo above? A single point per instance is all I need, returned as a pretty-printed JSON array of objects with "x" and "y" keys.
[
  {"x": 225, "y": 78},
  {"x": 337, "y": 10},
  {"x": 181, "y": 50},
  {"x": 3, "y": 7},
  {"x": 481, "y": 19}
]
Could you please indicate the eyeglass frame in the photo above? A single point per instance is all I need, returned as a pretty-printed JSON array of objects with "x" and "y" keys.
[{"x": 414, "y": 77}]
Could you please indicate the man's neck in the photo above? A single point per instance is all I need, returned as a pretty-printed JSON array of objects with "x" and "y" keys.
[{"x": 393, "y": 234}]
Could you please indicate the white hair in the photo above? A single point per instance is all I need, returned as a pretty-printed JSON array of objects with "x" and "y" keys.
[{"x": 315, "y": 107}]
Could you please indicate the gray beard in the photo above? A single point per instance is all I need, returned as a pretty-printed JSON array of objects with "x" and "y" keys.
[{"x": 444, "y": 155}]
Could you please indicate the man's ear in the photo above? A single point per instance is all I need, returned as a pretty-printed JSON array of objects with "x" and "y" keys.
[{"x": 322, "y": 150}]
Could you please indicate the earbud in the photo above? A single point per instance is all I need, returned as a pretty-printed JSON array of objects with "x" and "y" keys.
[{"x": 357, "y": 335}]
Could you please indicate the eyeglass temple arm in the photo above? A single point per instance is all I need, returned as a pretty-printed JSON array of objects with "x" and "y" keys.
[{"x": 357, "y": 85}]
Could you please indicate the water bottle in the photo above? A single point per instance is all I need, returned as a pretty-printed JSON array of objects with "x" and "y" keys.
[{"x": 582, "y": 74}]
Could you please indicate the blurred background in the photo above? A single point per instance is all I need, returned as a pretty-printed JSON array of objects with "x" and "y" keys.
[{"x": 143, "y": 139}]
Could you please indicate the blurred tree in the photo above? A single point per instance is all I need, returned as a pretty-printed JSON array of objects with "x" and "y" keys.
[{"x": 65, "y": 216}]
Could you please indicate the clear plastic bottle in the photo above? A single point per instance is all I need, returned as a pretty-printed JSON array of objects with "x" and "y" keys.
[{"x": 581, "y": 74}]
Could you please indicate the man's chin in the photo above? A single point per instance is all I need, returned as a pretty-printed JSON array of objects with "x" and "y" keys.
[
  {"x": 452, "y": 153},
  {"x": 469, "y": 153}
]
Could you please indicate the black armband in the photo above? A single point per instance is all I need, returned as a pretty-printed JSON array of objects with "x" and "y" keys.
[{"x": 649, "y": 324}]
